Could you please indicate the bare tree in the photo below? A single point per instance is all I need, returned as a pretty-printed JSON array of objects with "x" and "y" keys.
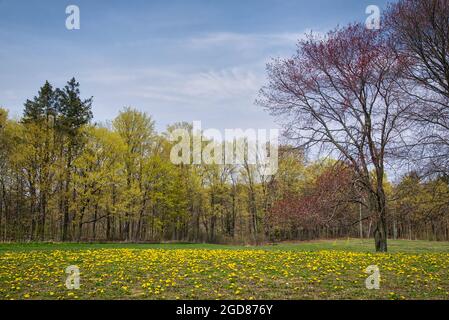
[
  {"x": 341, "y": 93},
  {"x": 420, "y": 30}
]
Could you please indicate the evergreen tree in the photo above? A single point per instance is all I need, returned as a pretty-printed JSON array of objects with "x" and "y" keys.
[
  {"x": 74, "y": 112},
  {"x": 42, "y": 106}
]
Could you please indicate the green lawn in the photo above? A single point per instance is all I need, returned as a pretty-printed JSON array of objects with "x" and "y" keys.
[
  {"x": 355, "y": 245},
  {"x": 305, "y": 270}
]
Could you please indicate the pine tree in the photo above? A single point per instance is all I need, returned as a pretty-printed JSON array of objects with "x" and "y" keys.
[
  {"x": 73, "y": 111},
  {"x": 73, "y": 114},
  {"x": 42, "y": 106}
]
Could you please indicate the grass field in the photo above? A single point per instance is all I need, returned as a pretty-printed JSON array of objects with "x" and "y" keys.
[{"x": 306, "y": 270}]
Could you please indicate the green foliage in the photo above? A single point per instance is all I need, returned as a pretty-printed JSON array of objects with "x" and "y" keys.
[
  {"x": 63, "y": 178},
  {"x": 422, "y": 205}
]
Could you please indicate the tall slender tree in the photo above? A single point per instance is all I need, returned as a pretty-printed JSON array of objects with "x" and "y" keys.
[{"x": 73, "y": 114}]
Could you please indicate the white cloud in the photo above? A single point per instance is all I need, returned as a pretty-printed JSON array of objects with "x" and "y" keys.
[
  {"x": 246, "y": 39},
  {"x": 214, "y": 77},
  {"x": 187, "y": 87},
  {"x": 219, "y": 84},
  {"x": 210, "y": 82}
]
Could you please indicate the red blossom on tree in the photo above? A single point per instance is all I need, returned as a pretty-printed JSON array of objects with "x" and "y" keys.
[{"x": 341, "y": 93}]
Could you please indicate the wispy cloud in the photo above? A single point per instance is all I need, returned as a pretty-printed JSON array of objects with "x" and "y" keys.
[
  {"x": 213, "y": 85},
  {"x": 209, "y": 76},
  {"x": 246, "y": 39},
  {"x": 187, "y": 87}
]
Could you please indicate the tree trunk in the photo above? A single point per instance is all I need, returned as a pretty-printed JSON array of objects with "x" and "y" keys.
[
  {"x": 43, "y": 205},
  {"x": 66, "y": 197},
  {"x": 380, "y": 230},
  {"x": 94, "y": 225},
  {"x": 378, "y": 209},
  {"x": 108, "y": 227},
  {"x": 380, "y": 236}
]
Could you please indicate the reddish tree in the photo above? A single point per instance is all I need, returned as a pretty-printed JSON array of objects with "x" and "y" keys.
[
  {"x": 341, "y": 93},
  {"x": 323, "y": 204},
  {"x": 420, "y": 30}
]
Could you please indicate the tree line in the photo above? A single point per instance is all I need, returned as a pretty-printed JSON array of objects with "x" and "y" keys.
[{"x": 352, "y": 103}]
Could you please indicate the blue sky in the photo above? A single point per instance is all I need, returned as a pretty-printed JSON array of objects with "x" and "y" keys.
[{"x": 176, "y": 60}]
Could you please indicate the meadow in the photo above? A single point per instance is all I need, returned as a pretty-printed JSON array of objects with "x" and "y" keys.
[{"x": 306, "y": 270}]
